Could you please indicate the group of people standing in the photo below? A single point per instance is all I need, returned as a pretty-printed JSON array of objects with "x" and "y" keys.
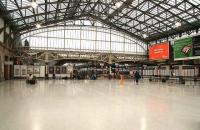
[{"x": 31, "y": 79}]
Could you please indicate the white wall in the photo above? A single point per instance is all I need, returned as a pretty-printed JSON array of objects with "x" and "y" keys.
[
  {"x": 30, "y": 69},
  {"x": 42, "y": 71},
  {"x": 22, "y": 70},
  {"x": 17, "y": 71},
  {"x": 36, "y": 71}
]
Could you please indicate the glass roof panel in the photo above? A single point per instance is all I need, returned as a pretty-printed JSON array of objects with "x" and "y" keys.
[
  {"x": 16, "y": 15},
  {"x": 147, "y": 15},
  {"x": 146, "y": 6},
  {"x": 184, "y": 6},
  {"x": 191, "y": 20},
  {"x": 195, "y": 2},
  {"x": 174, "y": 2},
  {"x": 10, "y": 5},
  {"x": 175, "y": 11}
]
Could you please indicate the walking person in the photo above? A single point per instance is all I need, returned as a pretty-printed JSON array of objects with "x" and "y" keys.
[{"x": 137, "y": 77}]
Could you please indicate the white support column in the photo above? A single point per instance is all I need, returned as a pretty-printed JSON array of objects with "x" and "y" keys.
[
  {"x": 180, "y": 70},
  {"x": 156, "y": 70},
  {"x": 168, "y": 71},
  {"x": 96, "y": 39},
  {"x": 46, "y": 69},
  {"x": 64, "y": 37},
  {"x": 46, "y": 57},
  {"x": 80, "y": 37},
  {"x": 110, "y": 42},
  {"x": 196, "y": 71},
  {"x": 110, "y": 62}
]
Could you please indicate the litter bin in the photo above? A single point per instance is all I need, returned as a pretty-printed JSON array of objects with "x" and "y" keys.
[
  {"x": 181, "y": 80},
  {"x": 46, "y": 76}
]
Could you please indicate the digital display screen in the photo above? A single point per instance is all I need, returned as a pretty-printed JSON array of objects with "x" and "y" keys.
[
  {"x": 159, "y": 51},
  {"x": 183, "y": 48},
  {"x": 196, "y": 45}
]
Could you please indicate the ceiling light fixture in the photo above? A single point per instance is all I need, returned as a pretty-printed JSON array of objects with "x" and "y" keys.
[
  {"x": 34, "y": 4},
  {"x": 145, "y": 35},
  {"x": 177, "y": 24},
  {"x": 38, "y": 26},
  {"x": 118, "y": 4}
]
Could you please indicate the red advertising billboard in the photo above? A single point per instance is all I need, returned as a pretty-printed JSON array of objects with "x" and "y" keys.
[{"x": 159, "y": 51}]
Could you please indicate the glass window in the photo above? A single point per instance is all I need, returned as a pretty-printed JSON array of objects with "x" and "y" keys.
[{"x": 84, "y": 38}]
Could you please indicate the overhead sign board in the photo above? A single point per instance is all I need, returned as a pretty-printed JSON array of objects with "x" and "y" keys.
[
  {"x": 183, "y": 49},
  {"x": 187, "y": 48},
  {"x": 159, "y": 51},
  {"x": 196, "y": 45}
]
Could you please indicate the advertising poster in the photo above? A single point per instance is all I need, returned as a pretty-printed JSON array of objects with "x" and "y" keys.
[
  {"x": 30, "y": 70},
  {"x": 23, "y": 71},
  {"x": 196, "y": 45},
  {"x": 57, "y": 70},
  {"x": 159, "y": 51},
  {"x": 36, "y": 70},
  {"x": 51, "y": 70},
  {"x": 17, "y": 72},
  {"x": 64, "y": 70},
  {"x": 183, "y": 48}
]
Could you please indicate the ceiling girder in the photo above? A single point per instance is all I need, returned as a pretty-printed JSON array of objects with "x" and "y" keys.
[
  {"x": 182, "y": 29},
  {"x": 118, "y": 18},
  {"x": 116, "y": 27},
  {"x": 123, "y": 6}
]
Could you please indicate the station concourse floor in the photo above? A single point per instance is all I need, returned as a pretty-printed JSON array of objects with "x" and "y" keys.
[{"x": 99, "y": 105}]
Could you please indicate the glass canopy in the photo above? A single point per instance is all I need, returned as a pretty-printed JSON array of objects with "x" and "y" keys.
[{"x": 87, "y": 38}]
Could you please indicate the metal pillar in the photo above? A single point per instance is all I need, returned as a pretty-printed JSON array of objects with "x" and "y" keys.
[
  {"x": 46, "y": 57},
  {"x": 110, "y": 62}
]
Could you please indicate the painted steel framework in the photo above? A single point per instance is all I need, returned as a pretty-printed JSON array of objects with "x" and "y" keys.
[
  {"x": 27, "y": 56},
  {"x": 155, "y": 18}
]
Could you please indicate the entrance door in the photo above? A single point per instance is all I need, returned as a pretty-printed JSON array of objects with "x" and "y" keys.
[
  {"x": 6, "y": 72},
  {"x": 6, "y": 69},
  {"x": 1, "y": 71}
]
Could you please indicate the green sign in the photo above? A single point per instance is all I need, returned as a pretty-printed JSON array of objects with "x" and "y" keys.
[{"x": 183, "y": 48}]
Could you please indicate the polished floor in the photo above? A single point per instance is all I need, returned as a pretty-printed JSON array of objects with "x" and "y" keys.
[{"x": 99, "y": 105}]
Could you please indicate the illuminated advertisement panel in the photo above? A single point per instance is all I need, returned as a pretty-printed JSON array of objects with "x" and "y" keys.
[
  {"x": 196, "y": 45},
  {"x": 183, "y": 49},
  {"x": 159, "y": 51}
]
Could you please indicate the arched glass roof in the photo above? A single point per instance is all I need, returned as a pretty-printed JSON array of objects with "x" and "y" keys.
[
  {"x": 154, "y": 18},
  {"x": 85, "y": 36}
]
